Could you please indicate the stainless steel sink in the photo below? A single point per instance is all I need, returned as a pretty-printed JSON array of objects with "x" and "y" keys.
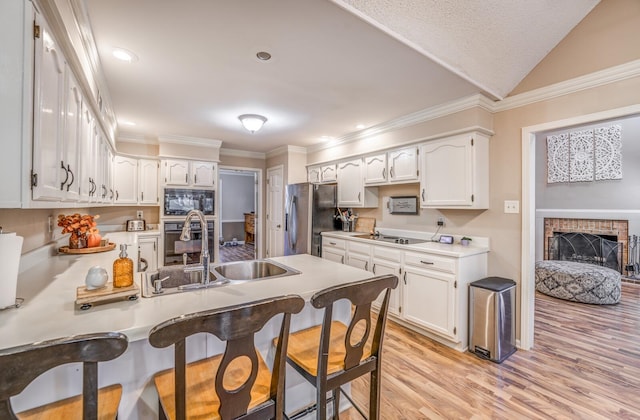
[
  {"x": 252, "y": 270},
  {"x": 174, "y": 279}
]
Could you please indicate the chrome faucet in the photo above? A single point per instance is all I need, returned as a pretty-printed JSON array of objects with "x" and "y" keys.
[{"x": 203, "y": 266}]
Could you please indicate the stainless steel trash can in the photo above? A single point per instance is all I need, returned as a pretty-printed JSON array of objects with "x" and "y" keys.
[{"x": 492, "y": 333}]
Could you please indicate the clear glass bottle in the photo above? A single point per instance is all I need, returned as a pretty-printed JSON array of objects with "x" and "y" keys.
[{"x": 123, "y": 269}]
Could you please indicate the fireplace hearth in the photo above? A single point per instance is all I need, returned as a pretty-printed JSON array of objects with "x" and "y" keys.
[{"x": 595, "y": 241}]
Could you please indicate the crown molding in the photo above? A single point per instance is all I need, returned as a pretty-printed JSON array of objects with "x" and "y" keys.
[
  {"x": 286, "y": 149},
  {"x": 242, "y": 153},
  {"x": 126, "y": 137},
  {"x": 588, "y": 81},
  {"x": 428, "y": 114},
  {"x": 191, "y": 141}
]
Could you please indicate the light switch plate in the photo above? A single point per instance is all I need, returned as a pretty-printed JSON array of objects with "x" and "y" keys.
[{"x": 511, "y": 206}]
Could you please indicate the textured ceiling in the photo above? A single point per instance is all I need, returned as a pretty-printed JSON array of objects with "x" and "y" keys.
[
  {"x": 331, "y": 68},
  {"x": 492, "y": 43}
]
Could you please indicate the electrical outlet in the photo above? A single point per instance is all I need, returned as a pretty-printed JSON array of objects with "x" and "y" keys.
[
  {"x": 511, "y": 206},
  {"x": 140, "y": 214},
  {"x": 440, "y": 221}
]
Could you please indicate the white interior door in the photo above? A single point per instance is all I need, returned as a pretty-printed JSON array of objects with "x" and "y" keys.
[{"x": 275, "y": 219}]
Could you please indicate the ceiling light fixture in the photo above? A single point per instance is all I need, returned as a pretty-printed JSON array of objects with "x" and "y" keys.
[
  {"x": 124, "y": 55},
  {"x": 360, "y": 126},
  {"x": 252, "y": 122},
  {"x": 263, "y": 55}
]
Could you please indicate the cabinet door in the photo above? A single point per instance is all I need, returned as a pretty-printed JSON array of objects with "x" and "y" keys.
[
  {"x": 381, "y": 267},
  {"x": 375, "y": 169},
  {"x": 328, "y": 173},
  {"x": 429, "y": 300},
  {"x": 447, "y": 173},
  {"x": 126, "y": 180},
  {"x": 313, "y": 175},
  {"x": 176, "y": 172},
  {"x": 108, "y": 176},
  {"x": 71, "y": 139},
  {"x": 359, "y": 261},
  {"x": 350, "y": 184},
  {"x": 86, "y": 151},
  {"x": 203, "y": 174},
  {"x": 48, "y": 171},
  {"x": 403, "y": 165},
  {"x": 148, "y": 181},
  {"x": 148, "y": 253},
  {"x": 333, "y": 254}
]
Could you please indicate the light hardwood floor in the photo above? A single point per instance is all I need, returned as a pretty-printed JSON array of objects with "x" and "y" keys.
[{"x": 585, "y": 365}]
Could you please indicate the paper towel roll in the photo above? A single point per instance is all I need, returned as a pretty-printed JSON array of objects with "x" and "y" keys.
[{"x": 10, "y": 249}]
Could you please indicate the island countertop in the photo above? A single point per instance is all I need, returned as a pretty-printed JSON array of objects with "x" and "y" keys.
[{"x": 49, "y": 310}]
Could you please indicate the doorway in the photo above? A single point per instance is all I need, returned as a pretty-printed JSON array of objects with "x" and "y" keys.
[
  {"x": 528, "y": 246},
  {"x": 239, "y": 223}
]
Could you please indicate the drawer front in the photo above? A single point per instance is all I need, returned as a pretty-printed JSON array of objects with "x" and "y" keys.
[
  {"x": 359, "y": 248},
  {"x": 333, "y": 242},
  {"x": 430, "y": 261},
  {"x": 387, "y": 253}
]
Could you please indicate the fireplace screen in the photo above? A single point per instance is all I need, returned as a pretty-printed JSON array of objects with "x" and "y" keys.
[{"x": 585, "y": 248}]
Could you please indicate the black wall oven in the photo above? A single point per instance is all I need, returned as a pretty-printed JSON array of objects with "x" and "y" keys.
[
  {"x": 175, "y": 250},
  {"x": 179, "y": 201}
]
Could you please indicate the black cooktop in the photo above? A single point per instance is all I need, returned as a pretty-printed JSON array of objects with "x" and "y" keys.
[{"x": 392, "y": 239}]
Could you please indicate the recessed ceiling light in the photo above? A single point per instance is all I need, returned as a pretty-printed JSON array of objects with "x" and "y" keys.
[
  {"x": 264, "y": 56},
  {"x": 124, "y": 55},
  {"x": 360, "y": 126}
]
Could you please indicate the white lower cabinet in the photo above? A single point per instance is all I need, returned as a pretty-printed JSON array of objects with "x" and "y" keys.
[
  {"x": 333, "y": 249},
  {"x": 432, "y": 293},
  {"x": 388, "y": 261},
  {"x": 431, "y": 300},
  {"x": 148, "y": 253}
]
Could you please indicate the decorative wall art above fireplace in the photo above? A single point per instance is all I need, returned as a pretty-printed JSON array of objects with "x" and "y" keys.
[{"x": 585, "y": 155}]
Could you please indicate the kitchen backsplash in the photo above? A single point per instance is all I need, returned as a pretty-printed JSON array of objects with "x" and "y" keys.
[{"x": 32, "y": 224}]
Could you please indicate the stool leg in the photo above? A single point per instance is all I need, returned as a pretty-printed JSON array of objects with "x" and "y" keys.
[
  {"x": 322, "y": 403},
  {"x": 336, "y": 403},
  {"x": 374, "y": 395}
]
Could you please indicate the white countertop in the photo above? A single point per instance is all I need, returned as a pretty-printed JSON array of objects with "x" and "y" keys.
[
  {"x": 49, "y": 289},
  {"x": 450, "y": 250}
]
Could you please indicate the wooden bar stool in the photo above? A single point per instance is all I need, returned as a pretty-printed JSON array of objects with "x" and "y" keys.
[
  {"x": 333, "y": 354},
  {"x": 20, "y": 365},
  {"x": 233, "y": 385}
]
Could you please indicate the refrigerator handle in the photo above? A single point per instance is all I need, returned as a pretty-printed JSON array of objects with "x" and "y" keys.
[{"x": 292, "y": 244}]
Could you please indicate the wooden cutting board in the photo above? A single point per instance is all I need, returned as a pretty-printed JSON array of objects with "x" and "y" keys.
[{"x": 365, "y": 224}]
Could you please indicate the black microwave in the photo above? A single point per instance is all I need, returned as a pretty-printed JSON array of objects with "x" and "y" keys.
[{"x": 179, "y": 201}]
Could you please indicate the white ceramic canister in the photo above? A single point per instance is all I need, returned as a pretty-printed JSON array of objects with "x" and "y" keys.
[{"x": 96, "y": 278}]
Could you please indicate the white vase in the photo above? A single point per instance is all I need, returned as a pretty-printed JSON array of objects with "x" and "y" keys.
[{"x": 96, "y": 278}]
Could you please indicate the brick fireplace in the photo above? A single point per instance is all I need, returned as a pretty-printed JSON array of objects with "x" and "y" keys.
[{"x": 613, "y": 228}]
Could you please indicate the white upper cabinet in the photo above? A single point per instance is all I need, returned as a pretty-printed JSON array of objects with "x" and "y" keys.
[
  {"x": 328, "y": 173},
  {"x": 455, "y": 172},
  {"x": 125, "y": 180},
  {"x": 320, "y": 174},
  {"x": 148, "y": 181},
  {"x": 189, "y": 173},
  {"x": 176, "y": 172},
  {"x": 403, "y": 165},
  {"x": 48, "y": 168},
  {"x": 313, "y": 174},
  {"x": 395, "y": 166},
  {"x": 71, "y": 139},
  {"x": 375, "y": 169},
  {"x": 203, "y": 174},
  {"x": 351, "y": 189}
]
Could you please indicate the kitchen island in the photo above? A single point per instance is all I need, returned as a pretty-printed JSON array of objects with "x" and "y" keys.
[{"x": 49, "y": 311}]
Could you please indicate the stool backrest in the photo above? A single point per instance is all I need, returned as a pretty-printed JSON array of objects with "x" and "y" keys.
[
  {"x": 361, "y": 294},
  {"x": 237, "y": 326},
  {"x": 19, "y": 366}
]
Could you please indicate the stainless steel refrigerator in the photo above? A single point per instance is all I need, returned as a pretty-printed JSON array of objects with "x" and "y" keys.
[{"x": 309, "y": 210}]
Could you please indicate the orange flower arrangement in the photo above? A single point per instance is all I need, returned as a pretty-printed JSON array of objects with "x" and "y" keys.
[{"x": 78, "y": 226}]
